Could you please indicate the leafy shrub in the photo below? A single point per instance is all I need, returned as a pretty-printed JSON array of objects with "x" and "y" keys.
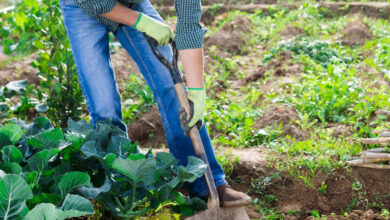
[
  {"x": 37, "y": 25},
  {"x": 55, "y": 172},
  {"x": 59, "y": 85}
]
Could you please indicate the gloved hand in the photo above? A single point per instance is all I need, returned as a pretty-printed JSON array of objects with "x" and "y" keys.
[
  {"x": 161, "y": 32},
  {"x": 196, "y": 96}
]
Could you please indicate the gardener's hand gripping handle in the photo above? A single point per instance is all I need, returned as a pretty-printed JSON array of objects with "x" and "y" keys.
[{"x": 184, "y": 103}]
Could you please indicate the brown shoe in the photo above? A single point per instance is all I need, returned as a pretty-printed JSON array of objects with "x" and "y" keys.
[{"x": 228, "y": 197}]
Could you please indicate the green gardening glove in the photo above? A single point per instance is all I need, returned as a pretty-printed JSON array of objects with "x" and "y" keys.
[
  {"x": 159, "y": 31},
  {"x": 196, "y": 98}
]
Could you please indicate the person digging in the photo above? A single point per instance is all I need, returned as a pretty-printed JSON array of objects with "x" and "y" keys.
[{"x": 88, "y": 24}]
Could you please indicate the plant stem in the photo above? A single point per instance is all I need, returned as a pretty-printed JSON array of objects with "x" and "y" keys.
[{"x": 119, "y": 204}]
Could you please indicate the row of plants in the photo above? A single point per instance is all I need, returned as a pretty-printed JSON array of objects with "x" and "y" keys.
[{"x": 54, "y": 173}]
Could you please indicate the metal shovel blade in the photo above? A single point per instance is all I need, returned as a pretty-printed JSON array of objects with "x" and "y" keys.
[{"x": 223, "y": 213}]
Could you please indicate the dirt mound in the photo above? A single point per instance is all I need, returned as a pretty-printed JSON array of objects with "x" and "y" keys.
[
  {"x": 19, "y": 70},
  {"x": 255, "y": 74},
  {"x": 148, "y": 130},
  {"x": 339, "y": 130},
  {"x": 356, "y": 33},
  {"x": 282, "y": 65},
  {"x": 282, "y": 115},
  {"x": 291, "y": 31},
  {"x": 229, "y": 37}
]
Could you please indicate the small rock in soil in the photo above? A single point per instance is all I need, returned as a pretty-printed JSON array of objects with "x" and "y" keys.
[
  {"x": 356, "y": 33},
  {"x": 148, "y": 130},
  {"x": 229, "y": 37}
]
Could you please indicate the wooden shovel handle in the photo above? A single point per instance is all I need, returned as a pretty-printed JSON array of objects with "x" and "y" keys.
[{"x": 198, "y": 144}]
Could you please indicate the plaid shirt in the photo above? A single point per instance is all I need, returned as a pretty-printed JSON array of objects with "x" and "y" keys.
[{"x": 189, "y": 33}]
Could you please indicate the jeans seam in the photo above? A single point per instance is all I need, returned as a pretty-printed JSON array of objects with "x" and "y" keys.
[{"x": 154, "y": 87}]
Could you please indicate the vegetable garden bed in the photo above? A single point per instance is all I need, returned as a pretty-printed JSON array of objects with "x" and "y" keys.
[{"x": 291, "y": 89}]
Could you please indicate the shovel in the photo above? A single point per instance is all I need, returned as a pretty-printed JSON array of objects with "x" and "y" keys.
[{"x": 213, "y": 211}]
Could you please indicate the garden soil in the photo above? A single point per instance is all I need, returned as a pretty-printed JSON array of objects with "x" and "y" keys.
[
  {"x": 356, "y": 33},
  {"x": 230, "y": 36},
  {"x": 284, "y": 116},
  {"x": 294, "y": 196},
  {"x": 148, "y": 130},
  {"x": 339, "y": 130},
  {"x": 290, "y": 32},
  {"x": 282, "y": 67},
  {"x": 20, "y": 70}
]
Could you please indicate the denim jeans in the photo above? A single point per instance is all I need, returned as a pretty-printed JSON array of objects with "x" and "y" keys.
[{"x": 90, "y": 45}]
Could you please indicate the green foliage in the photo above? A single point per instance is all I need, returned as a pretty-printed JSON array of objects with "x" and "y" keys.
[
  {"x": 260, "y": 184},
  {"x": 42, "y": 168},
  {"x": 38, "y": 26},
  {"x": 234, "y": 123},
  {"x": 138, "y": 98},
  {"x": 59, "y": 86},
  {"x": 319, "y": 51},
  {"x": 21, "y": 26},
  {"x": 18, "y": 98},
  {"x": 14, "y": 192},
  {"x": 329, "y": 96},
  {"x": 73, "y": 206}
]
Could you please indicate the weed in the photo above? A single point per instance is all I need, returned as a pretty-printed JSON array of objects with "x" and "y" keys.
[
  {"x": 322, "y": 188},
  {"x": 359, "y": 197},
  {"x": 385, "y": 213},
  {"x": 260, "y": 184},
  {"x": 227, "y": 161}
]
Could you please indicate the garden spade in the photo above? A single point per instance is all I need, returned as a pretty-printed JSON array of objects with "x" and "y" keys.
[{"x": 213, "y": 211}]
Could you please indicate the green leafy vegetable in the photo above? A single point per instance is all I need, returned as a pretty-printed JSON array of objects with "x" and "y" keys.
[{"x": 14, "y": 192}]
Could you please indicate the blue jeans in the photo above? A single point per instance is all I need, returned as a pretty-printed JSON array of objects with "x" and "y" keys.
[{"x": 90, "y": 45}]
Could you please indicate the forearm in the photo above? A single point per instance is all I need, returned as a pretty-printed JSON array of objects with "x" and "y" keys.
[
  {"x": 122, "y": 14},
  {"x": 192, "y": 60}
]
